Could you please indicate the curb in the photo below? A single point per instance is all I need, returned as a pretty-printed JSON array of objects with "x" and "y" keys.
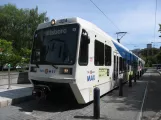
[{"x": 8, "y": 101}]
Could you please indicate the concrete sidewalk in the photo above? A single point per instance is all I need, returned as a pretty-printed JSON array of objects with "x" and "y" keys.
[
  {"x": 16, "y": 94},
  {"x": 112, "y": 107}
]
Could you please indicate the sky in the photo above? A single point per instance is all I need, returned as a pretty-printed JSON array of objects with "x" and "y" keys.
[{"x": 136, "y": 17}]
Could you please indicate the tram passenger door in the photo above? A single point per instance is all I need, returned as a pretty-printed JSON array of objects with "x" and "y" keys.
[{"x": 115, "y": 67}]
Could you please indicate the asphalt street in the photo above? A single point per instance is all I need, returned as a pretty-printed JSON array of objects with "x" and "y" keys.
[{"x": 152, "y": 105}]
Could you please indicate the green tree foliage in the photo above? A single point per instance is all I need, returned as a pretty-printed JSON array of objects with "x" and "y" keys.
[
  {"x": 158, "y": 57},
  {"x": 7, "y": 55},
  {"x": 26, "y": 55},
  {"x": 17, "y": 26},
  {"x": 151, "y": 56},
  {"x": 149, "y": 52}
]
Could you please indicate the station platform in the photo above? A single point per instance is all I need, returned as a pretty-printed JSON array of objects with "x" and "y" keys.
[
  {"x": 142, "y": 101},
  {"x": 17, "y": 93}
]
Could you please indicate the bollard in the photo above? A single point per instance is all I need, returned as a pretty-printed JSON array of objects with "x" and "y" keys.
[
  {"x": 140, "y": 73},
  {"x": 130, "y": 82},
  {"x": 96, "y": 103},
  {"x": 135, "y": 77},
  {"x": 120, "y": 87}
]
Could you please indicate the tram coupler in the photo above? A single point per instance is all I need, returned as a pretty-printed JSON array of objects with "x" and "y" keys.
[{"x": 40, "y": 91}]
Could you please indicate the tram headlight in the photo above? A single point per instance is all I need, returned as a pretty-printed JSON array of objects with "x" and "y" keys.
[
  {"x": 66, "y": 71},
  {"x": 52, "y": 22}
]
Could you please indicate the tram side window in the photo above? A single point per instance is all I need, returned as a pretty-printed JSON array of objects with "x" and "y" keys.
[
  {"x": 124, "y": 64},
  {"x": 99, "y": 53},
  {"x": 83, "y": 52},
  {"x": 128, "y": 65},
  {"x": 107, "y": 55},
  {"x": 117, "y": 62},
  {"x": 121, "y": 64}
]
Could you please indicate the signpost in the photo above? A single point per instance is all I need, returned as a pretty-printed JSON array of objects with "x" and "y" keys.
[{"x": 9, "y": 80}]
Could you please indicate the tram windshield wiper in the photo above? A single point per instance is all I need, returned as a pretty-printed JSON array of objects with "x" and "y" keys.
[
  {"x": 37, "y": 65},
  {"x": 52, "y": 64}
]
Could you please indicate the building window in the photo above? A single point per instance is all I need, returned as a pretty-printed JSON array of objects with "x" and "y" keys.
[
  {"x": 117, "y": 63},
  {"x": 124, "y": 64},
  {"x": 107, "y": 55},
  {"x": 99, "y": 53},
  {"x": 128, "y": 65}
]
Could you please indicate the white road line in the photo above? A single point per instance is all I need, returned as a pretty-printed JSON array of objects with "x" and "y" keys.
[{"x": 141, "y": 109}]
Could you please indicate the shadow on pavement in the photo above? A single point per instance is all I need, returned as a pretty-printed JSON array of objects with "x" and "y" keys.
[
  {"x": 59, "y": 102},
  {"x": 88, "y": 117},
  {"x": 131, "y": 100}
]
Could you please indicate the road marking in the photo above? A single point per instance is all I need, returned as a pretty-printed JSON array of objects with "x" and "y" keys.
[{"x": 141, "y": 110}]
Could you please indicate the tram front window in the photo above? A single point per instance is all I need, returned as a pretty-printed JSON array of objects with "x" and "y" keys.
[{"x": 56, "y": 45}]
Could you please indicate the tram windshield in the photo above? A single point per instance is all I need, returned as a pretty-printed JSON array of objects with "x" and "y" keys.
[{"x": 56, "y": 45}]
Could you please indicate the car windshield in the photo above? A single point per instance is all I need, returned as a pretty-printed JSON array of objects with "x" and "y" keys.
[{"x": 55, "y": 45}]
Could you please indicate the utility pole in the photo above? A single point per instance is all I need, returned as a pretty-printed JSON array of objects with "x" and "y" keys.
[{"x": 118, "y": 39}]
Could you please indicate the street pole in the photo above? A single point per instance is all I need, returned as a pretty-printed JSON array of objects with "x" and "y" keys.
[{"x": 9, "y": 80}]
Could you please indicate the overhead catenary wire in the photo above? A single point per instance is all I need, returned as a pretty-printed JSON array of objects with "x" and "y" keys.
[{"x": 104, "y": 14}]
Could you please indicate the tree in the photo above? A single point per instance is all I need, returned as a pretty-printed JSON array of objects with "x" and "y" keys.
[
  {"x": 7, "y": 55},
  {"x": 26, "y": 55},
  {"x": 158, "y": 57},
  {"x": 17, "y": 28},
  {"x": 18, "y": 25}
]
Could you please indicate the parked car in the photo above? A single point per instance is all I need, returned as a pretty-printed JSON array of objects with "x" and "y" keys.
[
  {"x": 5, "y": 67},
  {"x": 22, "y": 67}
]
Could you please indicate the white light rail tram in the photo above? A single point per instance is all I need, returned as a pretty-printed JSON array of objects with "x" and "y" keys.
[{"x": 76, "y": 53}]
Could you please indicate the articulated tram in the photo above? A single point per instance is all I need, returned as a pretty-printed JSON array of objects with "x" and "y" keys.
[{"x": 77, "y": 53}]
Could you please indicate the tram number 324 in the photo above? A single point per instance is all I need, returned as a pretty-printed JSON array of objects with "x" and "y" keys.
[{"x": 90, "y": 77}]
